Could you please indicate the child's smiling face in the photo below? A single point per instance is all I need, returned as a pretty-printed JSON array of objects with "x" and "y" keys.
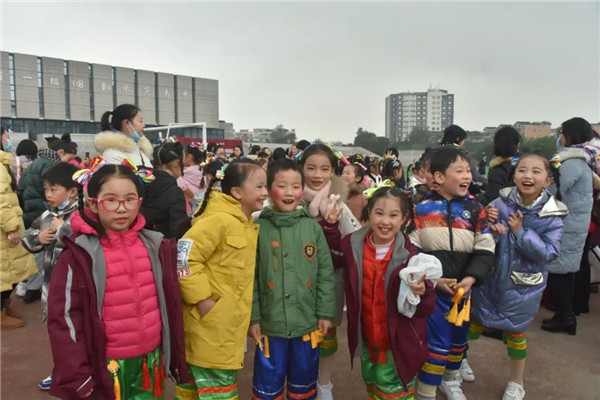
[
  {"x": 531, "y": 176},
  {"x": 286, "y": 190},
  {"x": 317, "y": 171},
  {"x": 455, "y": 180}
]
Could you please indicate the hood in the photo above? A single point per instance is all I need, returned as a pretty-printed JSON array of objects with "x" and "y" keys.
[
  {"x": 6, "y": 158},
  {"x": 220, "y": 202},
  {"x": 497, "y": 160},
  {"x": 79, "y": 226},
  {"x": 545, "y": 206},
  {"x": 117, "y": 140},
  {"x": 49, "y": 155},
  {"x": 279, "y": 218},
  {"x": 339, "y": 186},
  {"x": 574, "y": 152}
]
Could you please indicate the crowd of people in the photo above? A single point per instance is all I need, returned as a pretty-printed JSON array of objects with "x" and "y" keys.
[{"x": 156, "y": 261}]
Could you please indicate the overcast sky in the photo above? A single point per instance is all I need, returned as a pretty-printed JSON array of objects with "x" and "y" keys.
[{"x": 326, "y": 69}]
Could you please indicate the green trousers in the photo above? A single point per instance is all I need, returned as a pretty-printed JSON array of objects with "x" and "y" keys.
[
  {"x": 381, "y": 379},
  {"x": 138, "y": 378},
  {"x": 208, "y": 384}
]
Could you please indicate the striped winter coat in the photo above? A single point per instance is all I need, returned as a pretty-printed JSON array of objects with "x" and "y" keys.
[{"x": 456, "y": 232}]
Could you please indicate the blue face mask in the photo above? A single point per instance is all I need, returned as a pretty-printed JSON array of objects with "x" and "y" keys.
[
  {"x": 64, "y": 205},
  {"x": 134, "y": 135},
  {"x": 9, "y": 146}
]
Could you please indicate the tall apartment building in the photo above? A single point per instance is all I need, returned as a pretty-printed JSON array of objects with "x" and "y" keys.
[{"x": 432, "y": 110}]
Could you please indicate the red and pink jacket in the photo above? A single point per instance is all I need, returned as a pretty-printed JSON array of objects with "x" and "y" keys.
[
  {"x": 407, "y": 336},
  {"x": 96, "y": 286}
]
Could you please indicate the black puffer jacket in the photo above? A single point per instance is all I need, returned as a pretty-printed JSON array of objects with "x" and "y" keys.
[
  {"x": 164, "y": 205},
  {"x": 31, "y": 189},
  {"x": 500, "y": 176}
]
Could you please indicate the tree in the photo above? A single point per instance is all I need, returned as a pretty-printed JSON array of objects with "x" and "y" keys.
[
  {"x": 282, "y": 135},
  {"x": 366, "y": 139}
]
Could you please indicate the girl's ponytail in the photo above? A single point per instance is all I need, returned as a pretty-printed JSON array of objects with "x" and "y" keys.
[
  {"x": 105, "y": 121},
  {"x": 206, "y": 196}
]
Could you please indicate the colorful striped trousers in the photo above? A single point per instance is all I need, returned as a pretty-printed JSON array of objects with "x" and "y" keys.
[
  {"x": 381, "y": 378},
  {"x": 516, "y": 343},
  {"x": 447, "y": 342},
  {"x": 208, "y": 384}
]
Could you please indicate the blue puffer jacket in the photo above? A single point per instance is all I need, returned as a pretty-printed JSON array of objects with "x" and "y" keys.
[
  {"x": 576, "y": 190},
  {"x": 501, "y": 303}
]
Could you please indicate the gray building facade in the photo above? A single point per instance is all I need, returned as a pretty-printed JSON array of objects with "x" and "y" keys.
[{"x": 50, "y": 95}]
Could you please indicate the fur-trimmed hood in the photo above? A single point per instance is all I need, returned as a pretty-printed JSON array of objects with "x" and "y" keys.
[
  {"x": 339, "y": 186},
  {"x": 574, "y": 152},
  {"x": 116, "y": 140}
]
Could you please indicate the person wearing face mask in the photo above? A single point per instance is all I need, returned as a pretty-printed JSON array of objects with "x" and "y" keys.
[
  {"x": 26, "y": 153},
  {"x": 164, "y": 205},
  {"x": 17, "y": 264},
  {"x": 123, "y": 137}
]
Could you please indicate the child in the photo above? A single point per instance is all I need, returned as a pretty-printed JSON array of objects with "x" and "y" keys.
[
  {"x": 318, "y": 163},
  {"x": 392, "y": 347},
  {"x": 294, "y": 290},
  {"x": 209, "y": 171},
  {"x": 164, "y": 202},
  {"x": 392, "y": 170},
  {"x": 510, "y": 299},
  {"x": 452, "y": 226},
  {"x": 46, "y": 233},
  {"x": 114, "y": 309},
  {"x": 215, "y": 265},
  {"x": 353, "y": 175},
  {"x": 191, "y": 179}
]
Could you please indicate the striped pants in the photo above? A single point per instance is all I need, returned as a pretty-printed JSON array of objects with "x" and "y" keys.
[
  {"x": 516, "y": 343},
  {"x": 447, "y": 342},
  {"x": 381, "y": 378},
  {"x": 208, "y": 384}
]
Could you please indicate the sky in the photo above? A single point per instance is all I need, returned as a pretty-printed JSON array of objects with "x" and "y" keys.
[{"x": 325, "y": 69}]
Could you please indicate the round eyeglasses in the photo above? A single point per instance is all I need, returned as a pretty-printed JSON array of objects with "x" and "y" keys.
[{"x": 113, "y": 204}]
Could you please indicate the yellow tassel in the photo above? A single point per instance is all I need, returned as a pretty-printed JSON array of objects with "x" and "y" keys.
[
  {"x": 468, "y": 307},
  {"x": 453, "y": 314},
  {"x": 113, "y": 367},
  {"x": 267, "y": 353},
  {"x": 458, "y": 295}
]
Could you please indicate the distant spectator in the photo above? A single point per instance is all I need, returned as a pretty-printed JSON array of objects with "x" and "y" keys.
[
  {"x": 292, "y": 151},
  {"x": 302, "y": 145},
  {"x": 220, "y": 152},
  {"x": 454, "y": 135},
  {"x": 238, "y": 152},
  {"x": 26, "y": 154},
  {"x": 391, "y": 151},
  {"x": 482, "y": 164},
  {"x": 267, "y": 151},
  {"x": 122, "y": 136},
  {"x": 278, "y": 154},
  {"x": 507, "y": 142}
]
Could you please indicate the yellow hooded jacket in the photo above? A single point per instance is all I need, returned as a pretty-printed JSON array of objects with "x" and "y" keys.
[
  {"x": 216, "y": 259},
  {"x": 16, "y": 263}
]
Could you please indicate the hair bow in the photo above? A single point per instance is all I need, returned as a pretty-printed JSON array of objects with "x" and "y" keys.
[
  {"x": 514, "y": 161},
  {"x": 144, "y": 175},
  {"x": 220, "y": 175},
  {"x": 385, "y": 184},
  {"x": 83, "y": 176},
  {"x": 209, "y": 159},
  {"x": 338, "y": 155},
  {"x": 362, "y": 167},
  {"x": 555, "y": 162},
  {"x": 197, "y": 145}
]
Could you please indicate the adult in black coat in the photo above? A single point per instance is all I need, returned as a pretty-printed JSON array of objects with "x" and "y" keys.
[
  {"x": 164, "y": 202},
  {"x": 506, "y": 146}
]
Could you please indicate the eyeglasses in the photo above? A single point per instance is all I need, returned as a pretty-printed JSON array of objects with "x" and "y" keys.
[{"x": 113, "y": 204}]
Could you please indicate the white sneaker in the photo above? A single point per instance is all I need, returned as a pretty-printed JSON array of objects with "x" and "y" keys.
[
  {"x": 21, "y": 289},
  {"x": 514, "y": 391},
  {"x": 466, "y": 373},
  {"x": 452, "y": 390},
  {"x": 325, "y": 392}
]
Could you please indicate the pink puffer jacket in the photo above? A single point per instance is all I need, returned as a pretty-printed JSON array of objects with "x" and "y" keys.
[{"x": 130, "y": 312}]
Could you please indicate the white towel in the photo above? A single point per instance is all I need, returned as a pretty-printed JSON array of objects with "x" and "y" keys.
[{"x": 419, "y": 265}]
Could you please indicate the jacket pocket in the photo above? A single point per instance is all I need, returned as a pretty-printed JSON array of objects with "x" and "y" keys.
[{"x": 233, "y": 250}]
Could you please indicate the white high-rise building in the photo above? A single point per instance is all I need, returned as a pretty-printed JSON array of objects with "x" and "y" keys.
[{"x": 432, "y": 110}]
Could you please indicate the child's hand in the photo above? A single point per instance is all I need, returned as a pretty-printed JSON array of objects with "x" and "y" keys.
[
  {"x": 419, "y": 287},
  {"x": 254, "y": 332},
  {"x": 14, "y": 237},
  {"x": 333, "y": 212},
  {"x": 45, "y": 236},
  {"x": 442, "y": 284},
  {"x": 57, "y": 222},
  {"x": 515, "y": 221},
  {"x": 498, "y": 229},
  {"x": 205, "y": 306},
  {"x": 466, "y": 284},
  {"x": 492, "y": 213},
  {"x": 324, "y": 326}
]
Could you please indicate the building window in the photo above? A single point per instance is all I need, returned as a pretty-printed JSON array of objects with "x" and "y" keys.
[
  {"x": 40, "y": 86},
  {"x": 13, "y": 95}
]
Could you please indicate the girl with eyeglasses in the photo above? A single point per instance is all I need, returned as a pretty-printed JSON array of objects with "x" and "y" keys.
[{"x": 114, "y": 308}]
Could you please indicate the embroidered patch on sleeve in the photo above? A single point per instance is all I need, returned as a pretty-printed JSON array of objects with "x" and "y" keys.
[
  {"x": 183, "y": 253},
  {"x": 309, "y": 250}
]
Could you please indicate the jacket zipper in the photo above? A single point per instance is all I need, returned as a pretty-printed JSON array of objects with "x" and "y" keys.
[
  {"x": 135, "y": 286},
  {"x": 449, "y": 212},
  {"x": 283, "y": 278},
  {"x": 415, "y": 332}
]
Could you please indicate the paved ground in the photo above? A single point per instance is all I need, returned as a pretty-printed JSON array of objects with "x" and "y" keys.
[{"x": 559, "y": 366}]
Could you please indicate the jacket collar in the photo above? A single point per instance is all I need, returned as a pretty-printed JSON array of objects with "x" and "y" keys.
[
  {"x": 220, "y": 202},
  {"x": 574, "y": 153},
  {"x": 6, "y": 158},
  {"x": 117, "y": 140},
  {"x": 434, "y": 195},
  {"x": 546, "y": 205},
  {"x": 49, "y": 155},
  {"x": 279, "y": 218}
]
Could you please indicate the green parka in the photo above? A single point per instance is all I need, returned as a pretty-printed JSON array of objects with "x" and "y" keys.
[{"x": 294, "y": 283}]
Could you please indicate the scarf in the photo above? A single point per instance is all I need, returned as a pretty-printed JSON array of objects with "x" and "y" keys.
[{"x": 317, "y": 200}]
